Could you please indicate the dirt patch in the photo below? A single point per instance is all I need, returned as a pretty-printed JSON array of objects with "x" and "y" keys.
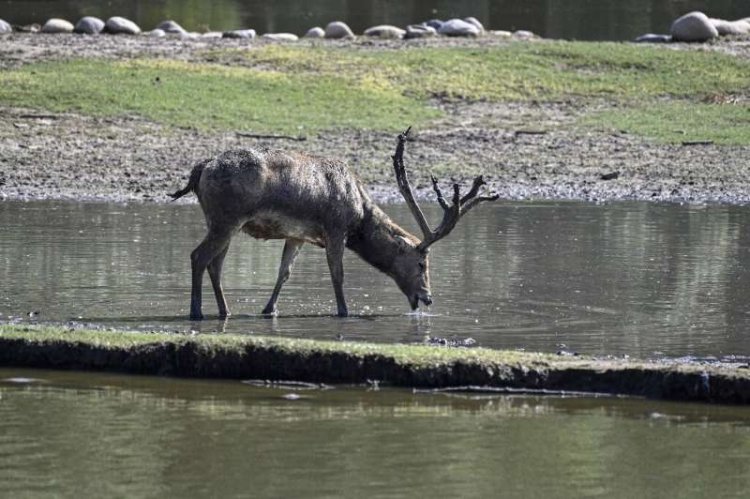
[{"x": 526, "y": 150}]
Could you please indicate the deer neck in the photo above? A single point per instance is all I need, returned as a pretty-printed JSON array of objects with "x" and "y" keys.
[{"x": 378, "y": 240}]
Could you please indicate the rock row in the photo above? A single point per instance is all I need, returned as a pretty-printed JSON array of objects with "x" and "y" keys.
[
  {"x": 336, "y": 30},
  {"x": 698, "y": 27}
]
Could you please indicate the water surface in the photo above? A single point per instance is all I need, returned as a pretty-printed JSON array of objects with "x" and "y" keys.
[
  {"x": 640, "y": 279},
  {"x": 91, "y": 435},
  {"x": 566, "y": 19}
]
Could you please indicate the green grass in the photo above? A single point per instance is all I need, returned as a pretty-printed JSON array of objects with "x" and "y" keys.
[
  {"x": 208, "y": 96},
  {"x": 653, "y": 91},
  {"x": 536, "y": 71},
  {"x": 681, "y": 122}
]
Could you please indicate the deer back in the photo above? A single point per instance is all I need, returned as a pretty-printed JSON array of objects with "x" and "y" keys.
[{"x": 277, "y": 194}]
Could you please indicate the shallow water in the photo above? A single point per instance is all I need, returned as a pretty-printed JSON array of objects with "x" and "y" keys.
[
  {"x": 640, "y": 279},
  {"x": 90, "y": 435},
  {"x": 566, "y": 19}
]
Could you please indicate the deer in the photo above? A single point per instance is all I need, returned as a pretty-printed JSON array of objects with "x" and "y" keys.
[{"x": 300, "y": 198}]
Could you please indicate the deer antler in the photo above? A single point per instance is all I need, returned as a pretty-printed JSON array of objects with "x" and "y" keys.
[{"x": 452, "y": 213}]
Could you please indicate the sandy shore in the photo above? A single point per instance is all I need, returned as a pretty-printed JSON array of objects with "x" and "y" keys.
[{"x": 525, "y": 150}]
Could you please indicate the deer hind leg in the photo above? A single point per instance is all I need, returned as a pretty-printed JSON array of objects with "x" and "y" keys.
[
  {"x": 335, "y": 256},
  {"x": 214, "y": 272},
  {"x": 291, "y": 250},
  {"x": 215, "y": 243}
]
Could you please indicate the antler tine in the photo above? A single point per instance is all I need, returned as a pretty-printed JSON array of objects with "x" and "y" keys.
[
  {"x": 405, "y": 188},
  {"x": 439, "y": 193},
  {"x": 453, "y": 213}
]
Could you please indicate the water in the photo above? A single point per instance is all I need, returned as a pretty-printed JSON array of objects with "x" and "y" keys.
[
  {"x": 640, "y": 279},
  {"x": 91, "y": 435},
  {"x": 566, "y": 19}
]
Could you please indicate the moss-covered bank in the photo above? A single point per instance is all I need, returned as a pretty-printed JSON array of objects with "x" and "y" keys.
[{"x": 248, "y": 357}]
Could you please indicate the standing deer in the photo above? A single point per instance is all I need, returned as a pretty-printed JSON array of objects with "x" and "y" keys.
[{"x": 307, "y": 199}]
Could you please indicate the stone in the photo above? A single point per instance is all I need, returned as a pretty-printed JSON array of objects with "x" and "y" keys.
[
  {"x": 120, "y": 26},
  {"x": 724, "y": 28},
  {"x": 56, "y": 25},
  {"x": 281, "y": 37},
  {"x": 245, "y": 34},
  {"x": 5, "y": 27},
  {"x": 212, "y": 34},
  {"x": 693, "y": 27},
  {"x": 653, "y": 38},
  {"x": 171, "y": 27},
  {"x": 337, "y": 30},
  {"x": 419, "y": 31},
  {"x": 89, "y": 26},
  {"x": 458, "y": 27},
  {"x": 385, "y": 31},
  {"x": 475, "y": 22},
  {"x": 155, "y": 33},
  {"x": 434, "y": 23},
  {"x": 523, "y": 34},
  {"x": 501, "y": 33},
  {"x": 315, "y": 32}
]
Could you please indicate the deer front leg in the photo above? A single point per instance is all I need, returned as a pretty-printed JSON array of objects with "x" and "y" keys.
[
  {"x": 212, "y": 245},
  {"x": 214, "y": 272},
  {"x": 291, "y": 250},
  {"x": 335, "y": 255}
]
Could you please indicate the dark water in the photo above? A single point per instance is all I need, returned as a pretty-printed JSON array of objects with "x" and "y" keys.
[
  {"x": 641, "y": 279},
  {"x": 89, "y": 435},
  {"x": 567, "y": 19}
]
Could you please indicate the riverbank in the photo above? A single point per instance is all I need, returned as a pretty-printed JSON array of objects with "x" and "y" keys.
[
  {"x": 275, "y": 359},
  {"x": 123, "y": 119}
]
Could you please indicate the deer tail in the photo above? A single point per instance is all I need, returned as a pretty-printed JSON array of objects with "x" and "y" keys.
[{"x": 192, "y": 185}]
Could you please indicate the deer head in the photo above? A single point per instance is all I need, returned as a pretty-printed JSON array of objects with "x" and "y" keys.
[{"x": 413, "y": 275}]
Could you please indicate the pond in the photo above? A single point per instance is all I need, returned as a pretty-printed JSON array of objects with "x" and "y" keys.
[
  {"x": 566, "y": 19},
  {"x": 638, "y": 279},
  {"x": 90, "y": 435}
]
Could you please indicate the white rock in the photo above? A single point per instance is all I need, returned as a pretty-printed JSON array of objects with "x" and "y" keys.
[
  {"x": 458, "y": 27},
  {"x": 155, "y": 33},
  {"x": 523, "y": 34},
  {"x": 475, "y": 22},
  {"x": 189, "y": 35},
  {"x": 693, "y": 27},
  {"x": 171, "y": 27},
  {"x": 419, "y": 31},
  {"x": 385, "y": 31},
  {"x": 500, "y": 33},
  {"x": 316, "y": 32},
  {"x": 281, "y": 37},
  {"x": 89, "y": 26},
  {"x": 56, "y": 25},
  {"x": 5, "y": 27},
  {"x": 724, "y": 27},
  {"x": 120, "y": 26},
  {"x": 212, "y": 34},
  {"x": 338, "y": 30},
  {"x": 247, "y": 34}
]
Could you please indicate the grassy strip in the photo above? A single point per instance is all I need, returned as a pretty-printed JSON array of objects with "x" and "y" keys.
[
  {"x": 208, "y": 97},
  {"x": 548, "y": 71},
  {"x": 307, "y": 88},
  {"x": 236, "y": 356}
]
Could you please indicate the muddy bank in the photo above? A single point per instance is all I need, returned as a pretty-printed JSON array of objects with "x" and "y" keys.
[
  {"x": 526, "y": 150},
  {"x": 247, "y": 357}
]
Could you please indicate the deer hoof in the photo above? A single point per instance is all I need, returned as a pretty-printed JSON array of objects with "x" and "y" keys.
[{"x": 196, "y": 317}]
